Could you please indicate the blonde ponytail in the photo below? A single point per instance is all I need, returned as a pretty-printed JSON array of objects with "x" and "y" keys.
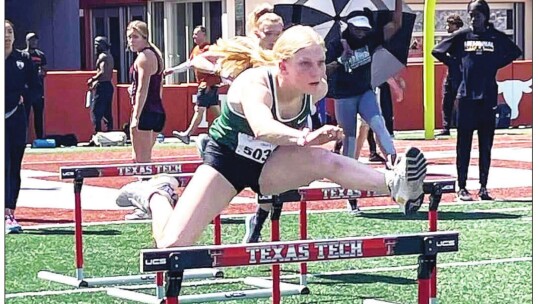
[{"x": 239, "y": 54}]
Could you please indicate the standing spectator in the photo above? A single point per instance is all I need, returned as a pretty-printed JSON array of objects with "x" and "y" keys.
[
  {"x": 452, "y": 80},
  {"x": 19, "y": 75},
  {"x": 148, "y": 114},
  {"x": 207, "y": 91},
  {"x": 481, "y": 51},
  {"x": 101, "y": 106},
  {"x": 348, "y": 65},
  {"x": 349, "y": 72},
  {"x": 36, "y": 100}
]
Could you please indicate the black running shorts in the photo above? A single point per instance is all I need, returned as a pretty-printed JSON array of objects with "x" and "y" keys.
[
  {"x": 241, "y": 172},
  {"x": 207, "y": 97},
  {"x": 151, "y": 121}
]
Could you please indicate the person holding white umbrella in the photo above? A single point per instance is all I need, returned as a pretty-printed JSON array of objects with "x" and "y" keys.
[{"x": 349, "y": 71}]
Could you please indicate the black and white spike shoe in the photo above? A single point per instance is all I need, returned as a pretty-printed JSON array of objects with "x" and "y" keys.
[{"x": 406, "y": 180}]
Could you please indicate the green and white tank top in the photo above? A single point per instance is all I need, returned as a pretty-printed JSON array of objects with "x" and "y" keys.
[{"x": 232, "y": 128}]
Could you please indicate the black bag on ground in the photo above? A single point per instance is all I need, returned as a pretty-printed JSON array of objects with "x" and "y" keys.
[{"x": 66, "y": 140}]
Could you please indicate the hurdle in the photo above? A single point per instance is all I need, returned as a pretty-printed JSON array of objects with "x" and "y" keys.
[
  {"x": 174, "y": 261},
  {"x": 276, "y": 288},
  {"x": 78, "y": 175},
  {"x": 432, "y": 187}
]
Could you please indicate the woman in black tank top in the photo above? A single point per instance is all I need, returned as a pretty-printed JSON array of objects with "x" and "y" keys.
[{"x": 148, "y": 114}]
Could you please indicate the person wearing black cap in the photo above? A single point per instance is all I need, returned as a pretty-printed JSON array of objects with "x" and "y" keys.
[
  {"x": 36, "y": 100},
  {"x": 482, "y": 51},
  {"x": 19, "y": 76},
  {"x": 101, "y": 106},
  {"x": 452, "y": 80},
  {"x": 348, "y": 66}
]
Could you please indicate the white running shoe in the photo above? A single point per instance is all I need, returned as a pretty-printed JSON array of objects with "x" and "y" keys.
[
  {"x": 406, "y": 180},
  {"x": 128, "y": 191},
  {"x": 250, "y": 222},
  {"x": 11, "y": 225},
  {"x": 137, "y": 194},
  {"x": 165, "y": 185},
  {"x": 138, "y": 215}
]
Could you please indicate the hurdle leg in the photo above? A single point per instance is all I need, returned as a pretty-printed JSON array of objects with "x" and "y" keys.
[
  {"x": 174, "y": 285},
  {"x": 79, "y": 262},
  {"x": 276, "y": 271},
  {"x": 159, "y": 285},
  {"x": 426, "y": 264},
  {"x": 303, "y": 236},
  {"x": 217, "y": 230},
  {"x": 434, "y": 200}
]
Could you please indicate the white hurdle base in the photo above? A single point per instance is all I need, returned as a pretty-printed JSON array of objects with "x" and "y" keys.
[
  {"x": 133, "y": 296},
  {"x": 372, "y": 301},
  {"x": 286, "y": 289},
  {"x": 190, "y": 274},
  {"x": 263, "y": 283}
]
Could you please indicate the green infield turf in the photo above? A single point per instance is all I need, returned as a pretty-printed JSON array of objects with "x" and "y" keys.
[{"x": 494, "y": 264}]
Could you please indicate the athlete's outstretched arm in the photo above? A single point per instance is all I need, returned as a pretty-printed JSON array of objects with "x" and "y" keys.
[
  {"x": 256, "y": 102},
  {"x": 206, "y": 62},
  {"x": 181, "y": 68}
]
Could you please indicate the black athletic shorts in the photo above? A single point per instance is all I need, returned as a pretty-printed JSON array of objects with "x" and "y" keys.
[
  {"x": 151, "y": 121},
  {"x": 207, "y": 98},
  {"x": 241, "y": 172}
]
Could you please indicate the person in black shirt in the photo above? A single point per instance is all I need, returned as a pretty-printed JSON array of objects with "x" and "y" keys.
[
  {"x": 452, "y": 80},
  {"x": 348, "y": 66},
  {"x": 19, "y": 76},
  {"x": 349, "y": 62},
  {"x": 482, "y": 51},
  {"x": 35, "y": 100}
]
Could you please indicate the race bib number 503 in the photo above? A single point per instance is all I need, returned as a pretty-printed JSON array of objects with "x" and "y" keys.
[{"x": 253, "y": 149}]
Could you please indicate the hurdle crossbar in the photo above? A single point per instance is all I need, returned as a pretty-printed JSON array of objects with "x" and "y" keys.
[
  {"x": 139, "y": 169},
  {"x": 337, "y": 192},
  {"x": 269, "y": 253}
]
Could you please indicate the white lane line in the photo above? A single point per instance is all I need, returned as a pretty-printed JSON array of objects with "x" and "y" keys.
[
  {"x": 444, "y": 265},
  {"x": 501, "y": 210},
  {"x": 233, "y": 216},
  {"x": 232, "y": 281}
]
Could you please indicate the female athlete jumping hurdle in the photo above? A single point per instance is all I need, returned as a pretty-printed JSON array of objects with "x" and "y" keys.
[{"x": 260, "y": 136}]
